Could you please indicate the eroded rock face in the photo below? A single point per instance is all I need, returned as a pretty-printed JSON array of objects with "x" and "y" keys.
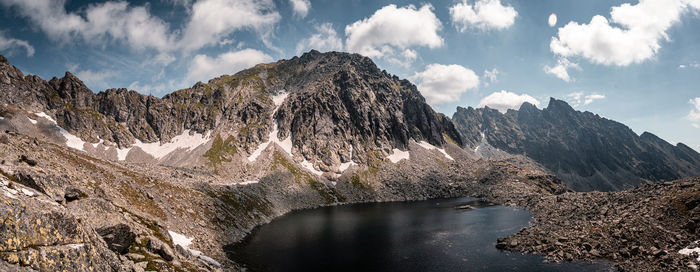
[{"x": 585, "y": 150}]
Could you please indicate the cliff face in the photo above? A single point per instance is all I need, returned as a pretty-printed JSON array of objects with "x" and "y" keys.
[
  {"x": 336, "y": 107},
  {"x": 585, "y": 150}
]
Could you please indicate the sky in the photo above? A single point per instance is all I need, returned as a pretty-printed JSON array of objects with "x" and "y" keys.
[{"x": 636, "y": 62}]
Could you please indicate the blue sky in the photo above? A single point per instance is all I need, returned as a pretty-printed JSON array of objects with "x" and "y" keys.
[{"x": 636, "y": 62}]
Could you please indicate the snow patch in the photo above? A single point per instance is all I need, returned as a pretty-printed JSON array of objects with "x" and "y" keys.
[
  {"x": 159, "y": 150},
  {"x": 428, "y": 146},
  {"x": 310, "y": 166},
  {"x": 44, "y": 115},
  {"x": 689, "y": 251},
  {"x": 398, "y": 155},
  {"x": 2, "y": 118},
  {"x": 344, "y": 166},
  {"x": 185, "y": 242},
  {"x": 249, "y": 182},
  {"x": 122, "y": 152},
  {"x": 31, "y": 120},
  {"x": 285, "y": 144},
  {"x": 72, "y": 141},
  {"x": 98, "y": 143}
]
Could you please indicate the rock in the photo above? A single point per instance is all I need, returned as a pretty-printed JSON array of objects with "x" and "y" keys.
[
  {"x": 27, "y": 160},
  {"x": 157, "y": 246},
  {"x": 74, "y": 194},
  {"x": 118, "y": 237}
]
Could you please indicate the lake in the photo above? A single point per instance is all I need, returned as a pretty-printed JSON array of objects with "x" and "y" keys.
[{"x": 429, "y": 235}]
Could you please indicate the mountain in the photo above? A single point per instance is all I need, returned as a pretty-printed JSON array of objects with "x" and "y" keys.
[
  {"x": 586, "y": 151},
  {"x": 323, "y": 109},
  {"x": 119, "y": 181}
]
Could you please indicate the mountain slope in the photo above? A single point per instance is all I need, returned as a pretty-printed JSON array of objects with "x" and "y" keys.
[
  {"x": 326, "y": 110},
  {"x": 585, "y": 150}
]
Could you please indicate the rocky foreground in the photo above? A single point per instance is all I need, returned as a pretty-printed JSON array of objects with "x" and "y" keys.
[
  {"x": 642, "y": 229},
  {"x": 64, "y": 210}
]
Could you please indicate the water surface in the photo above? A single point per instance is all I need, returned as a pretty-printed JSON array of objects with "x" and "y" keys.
[{"x": 427, "y": 235}]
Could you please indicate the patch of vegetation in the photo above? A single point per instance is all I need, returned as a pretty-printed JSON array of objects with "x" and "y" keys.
[
  {"x": 331, "y": 195},
  {"x": 448, "y": 138},
  {"x": 358, "y": 182},
  {"x": 221, "y": 149}
]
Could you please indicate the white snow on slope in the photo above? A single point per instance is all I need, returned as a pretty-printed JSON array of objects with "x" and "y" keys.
[
  {"x": 185, "y": 242},
  {"x": 285, "y": 144},
  {"x": 689, "y": 251},
  {"x": 398, "y": 155},
  {"x": 249, "y": 182},
  {"x": 159, "y": 150},
  {"x": 72, "y": 141},
  {"x": 31, "y": 120},
  {"x": 344, "y": 166},
  {"x": 310, "y": 166},
  {"x": 428, "y": 146}
]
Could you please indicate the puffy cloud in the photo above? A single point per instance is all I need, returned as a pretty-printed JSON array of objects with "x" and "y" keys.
[
  {"x": 577, "y": 99},
  {"x": 7, "y": 43},
  {"x": 632, "y": 35},
  {"x": 561, "y": 69},
  {"x": 504, "y": 100},
  {"x": 214, "y": 20},
  {"x": 301, "y": 7},
  {"x": 694, "y": 114},
  {"x": 325, "y": 39},
  {"x": 392, "y": 31},
  {"x": 445, "y": 83},
  {"x": 210, "y": 22},
  {"x": 484, "y": 14},
  {"x": 205, "y": 68},
  {"x": 552, "y": 20},
  {"x": 134, "y": 26}
]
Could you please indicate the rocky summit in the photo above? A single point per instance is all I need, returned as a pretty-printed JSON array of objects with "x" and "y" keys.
[
  {"x": 120, "y": 181},
  {"x": 587, "y": 151}
]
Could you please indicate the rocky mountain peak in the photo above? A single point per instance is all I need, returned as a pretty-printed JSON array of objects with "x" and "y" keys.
[{"x": 587, "y": 151}]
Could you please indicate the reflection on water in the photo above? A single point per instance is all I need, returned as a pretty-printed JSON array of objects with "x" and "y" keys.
[{"x": 433, "y": 235}]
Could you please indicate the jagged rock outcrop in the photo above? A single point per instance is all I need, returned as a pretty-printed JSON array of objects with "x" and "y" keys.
[{"x": 585, "y": 150}]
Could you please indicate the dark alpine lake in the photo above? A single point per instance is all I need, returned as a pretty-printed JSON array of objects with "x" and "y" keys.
[{"x": 427, "y": 235}]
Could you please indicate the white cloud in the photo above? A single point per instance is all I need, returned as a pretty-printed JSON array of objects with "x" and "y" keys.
[
  {"x": 210, "y": 22},
  {"x": 632, "y": 35},
  {"x": 95, "y": 78},
  {"x": 7, "y": 43},
  {"x": 484, "y": 14},
  {"x": 445, "y": 83},
  {"x": 504, "y": 100},
  {"x": 552, "y": 20},
  {"x": 325, "y": 39},
  {"x": 490, "y": 76},
  {"x": 391, "y": 32},
  {"x": 134, "y": 26},
  {"x": 204, "y": 68},
  {"x": 301, "y": 7},
  {"x": 561, "y": 69},
  {"x": 694, "y": 114},
  {"x": 577, "y": 99},
  {"x": 214, "y": 20}
]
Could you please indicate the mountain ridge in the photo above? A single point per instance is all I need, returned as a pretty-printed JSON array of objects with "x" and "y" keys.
[{"x": 587, "y": 151}]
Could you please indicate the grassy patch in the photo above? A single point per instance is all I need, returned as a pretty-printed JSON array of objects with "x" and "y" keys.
[
  {"x": 330, "y": 194},
  {"x": 220, "y": 150}
]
